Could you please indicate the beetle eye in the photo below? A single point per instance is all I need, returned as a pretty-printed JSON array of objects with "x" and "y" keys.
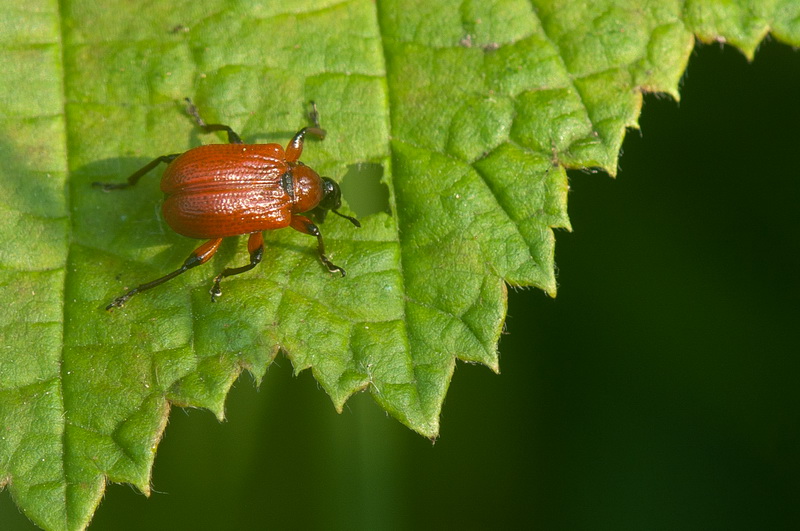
[
  {"x": 331, "y": 194},
  {"x": 332, "y": 200}
]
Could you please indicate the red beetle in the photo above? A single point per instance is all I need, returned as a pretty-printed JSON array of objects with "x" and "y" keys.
[{"x": 221, "y": 190}]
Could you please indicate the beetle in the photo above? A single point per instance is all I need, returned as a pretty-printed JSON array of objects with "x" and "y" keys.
[{"x": 216, "y": 191}]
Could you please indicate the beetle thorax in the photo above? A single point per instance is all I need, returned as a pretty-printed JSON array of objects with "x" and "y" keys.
[{"x": 307, "y": 189}]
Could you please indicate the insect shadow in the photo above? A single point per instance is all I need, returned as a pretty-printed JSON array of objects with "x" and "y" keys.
[{"x": 126, "y": 219}]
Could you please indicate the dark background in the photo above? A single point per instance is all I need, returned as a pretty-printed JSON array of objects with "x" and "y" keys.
[{"x": 659, "y": 390}]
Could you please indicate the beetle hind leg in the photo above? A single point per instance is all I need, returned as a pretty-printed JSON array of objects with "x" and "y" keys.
[
  {"x": 255, "y": 245},
  {"x": 233, "y": 137},
  {"x": 134, "y": 178},
  {"x": 201, "y": 255}
]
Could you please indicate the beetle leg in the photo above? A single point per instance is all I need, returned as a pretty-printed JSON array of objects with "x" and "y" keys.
[
  {"x": 134, "y": 178},
  {"x": 314, "y": 114},
  {"x": 201, "y": 255},
  {"x": 233, "y": 138},
  {"x": 304, "y": 225},
  {"x": 255, "y": 245},
  {"x": 295, "y": 147}
]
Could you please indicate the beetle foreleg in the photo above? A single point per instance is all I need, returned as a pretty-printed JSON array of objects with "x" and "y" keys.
[
  {"x": 255, "y": 245},
  {"x": 201, "y": 255},
  {"x": 295, "y": 147},
  {"x": 133, "y": 179},
  {"x": 233, "y": 138},
  {"x": 313, "y": 115},
  {"x": 304, "y": 225}
]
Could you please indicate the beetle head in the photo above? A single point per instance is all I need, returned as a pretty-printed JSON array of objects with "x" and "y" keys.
[{"x": 332, "y": 200}]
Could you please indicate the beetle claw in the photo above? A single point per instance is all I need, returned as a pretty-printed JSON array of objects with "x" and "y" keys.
[
  {"x": 119, "y": 302},
  {"x": 215, "y": 290},
  {"x": 333, "y": 268}
]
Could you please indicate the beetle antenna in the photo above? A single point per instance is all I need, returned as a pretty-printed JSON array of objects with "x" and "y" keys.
[{"x": 354, "y": 221}]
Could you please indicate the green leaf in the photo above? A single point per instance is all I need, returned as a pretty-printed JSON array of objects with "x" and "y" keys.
[{"x": 460, "y": 119}]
